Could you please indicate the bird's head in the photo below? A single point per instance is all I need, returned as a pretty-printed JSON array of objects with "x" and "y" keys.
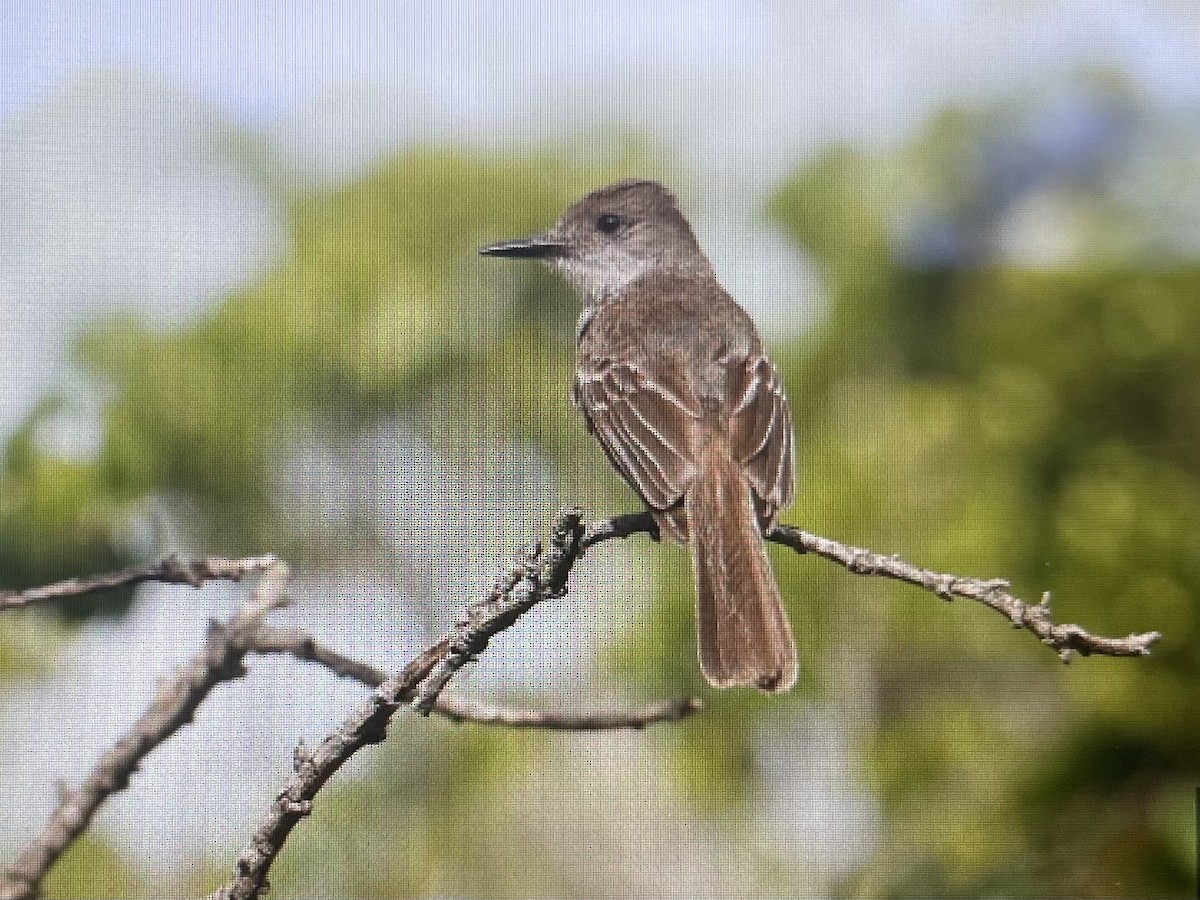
[{"x": 612, "y": 237}]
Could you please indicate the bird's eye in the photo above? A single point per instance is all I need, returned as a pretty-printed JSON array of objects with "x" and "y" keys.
[{"x": 609, "y": 223}]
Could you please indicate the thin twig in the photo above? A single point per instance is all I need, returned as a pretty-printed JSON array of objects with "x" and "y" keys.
[
  {"x": 459, "y": 710},
  {"x": 292, "y": 641},
  {"x": 171, "y": 570},
  {"x": 540, "y": 574},
  {"x": 993, "y": 593},
  {"x": 172, "y": 708}
]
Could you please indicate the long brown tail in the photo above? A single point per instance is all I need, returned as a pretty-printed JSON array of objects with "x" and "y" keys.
[{"x": 744, "y": 636}]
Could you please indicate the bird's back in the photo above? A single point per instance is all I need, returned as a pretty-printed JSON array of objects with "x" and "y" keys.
[{"x": 687, "y": 327}]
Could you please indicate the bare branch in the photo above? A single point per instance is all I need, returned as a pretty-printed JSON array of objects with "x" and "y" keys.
[
  {"x": 171, "y": 570},
  {"x": 292, "y": 641},
  {"x": 172, "y": 708},
  {"x": 993, "y": 593},
  {"x": 312, "y": 768},
  {"x": 273, "y": 639},
  {"x": 458, "y": 710},
  {"x": 221, "y": 660},
  {"x": 541, "y": 573},
  {"x": 622, "y": 526}
]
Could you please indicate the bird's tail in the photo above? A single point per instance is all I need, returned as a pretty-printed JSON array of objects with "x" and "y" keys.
[{"x": 744, "y": 636}]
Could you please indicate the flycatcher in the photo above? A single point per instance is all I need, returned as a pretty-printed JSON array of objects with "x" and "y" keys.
[{"x": 674, "y": 383}]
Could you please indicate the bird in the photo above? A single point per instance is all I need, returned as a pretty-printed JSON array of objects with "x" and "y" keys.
[{"x": 674, "y": 383}]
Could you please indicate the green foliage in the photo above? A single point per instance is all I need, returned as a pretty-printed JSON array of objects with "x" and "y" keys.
[
  {"x": 93, "y": 868},
  {"x": 380, "y": 309},
  {"x": 1043, "y": 425},
  {"x": 380, "y": 297},
  {"x": 57, "y": 521}
]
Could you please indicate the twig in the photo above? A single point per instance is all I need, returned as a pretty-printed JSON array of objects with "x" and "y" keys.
[
  {"x": 458, "y": 710},
  {"x": 312, "y": 768},
  {"x": 993, "y": 593},
  {"x": 622, "y": 526},
  {"x": 171, "y": 570},
  {"x": 292, "y": 641},
  {"x": 221, "y": 660},
  {"x": 540, "y": 574},
  {"x": 172, "y": 708}
]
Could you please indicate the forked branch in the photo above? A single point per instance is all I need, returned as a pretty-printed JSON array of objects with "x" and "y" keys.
[
  {"x": 541, "y": 573},
  {"x": 174, "y": 706},
  {"x": 221, "y": 659}
]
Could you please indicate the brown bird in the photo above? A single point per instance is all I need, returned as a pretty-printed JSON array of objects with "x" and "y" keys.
[{"x": 674, "y": 383}]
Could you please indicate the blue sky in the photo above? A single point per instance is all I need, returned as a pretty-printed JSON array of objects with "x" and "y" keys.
[{"x": 258, "y": 60}]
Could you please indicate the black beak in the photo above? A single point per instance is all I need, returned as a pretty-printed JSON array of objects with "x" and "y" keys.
[{"x": 536, "y": 247}]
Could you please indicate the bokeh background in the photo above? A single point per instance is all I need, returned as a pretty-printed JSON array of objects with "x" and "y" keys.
[{"x": 241, "y": 311}]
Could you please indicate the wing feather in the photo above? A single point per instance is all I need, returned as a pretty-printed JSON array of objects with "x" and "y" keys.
[
  {"x": 646, "y": 428},
  {"x": 760, "y": 432}
]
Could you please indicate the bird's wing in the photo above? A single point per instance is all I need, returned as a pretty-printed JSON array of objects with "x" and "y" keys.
[
  {"x": 760, "y": 431},
  {"x": 645, "y": 425}
]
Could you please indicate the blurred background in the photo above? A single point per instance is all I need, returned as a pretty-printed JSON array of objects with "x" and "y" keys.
[{"x": 241, "y": 311}]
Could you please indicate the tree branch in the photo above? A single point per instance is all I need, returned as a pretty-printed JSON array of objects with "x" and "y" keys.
[
  {"x": 171, "y": 570},
  {"x": 993, "y": 593},
  {"x": 172, "y": 708},
  {"x": 459, "y": 710},
  {"x": 221, "y": 660},
  {"x": 292, "y": 641},
  {"x": 539, "y": 574}
]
